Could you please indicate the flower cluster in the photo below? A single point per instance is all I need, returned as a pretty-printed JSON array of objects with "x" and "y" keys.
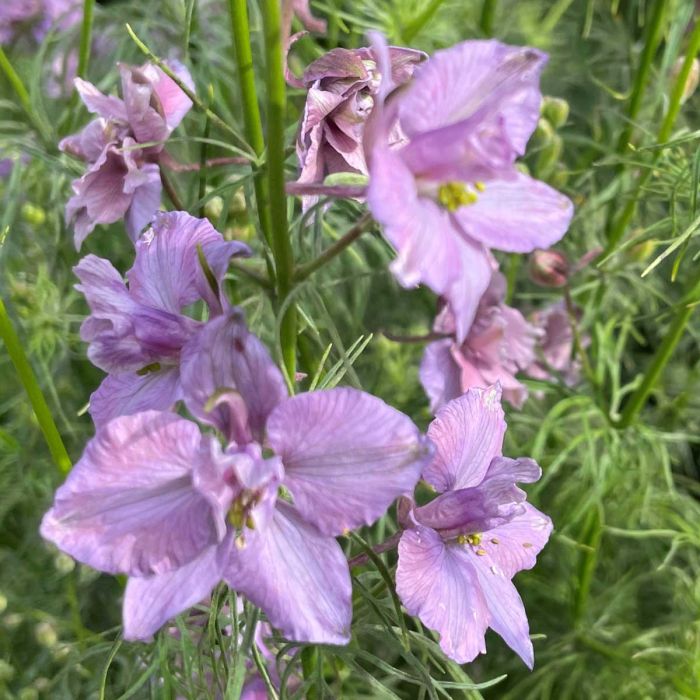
[
  {"x": 255, "y": 485},
  {"x": 121, "y": 148},
  {"x": 38, "y": 16}
]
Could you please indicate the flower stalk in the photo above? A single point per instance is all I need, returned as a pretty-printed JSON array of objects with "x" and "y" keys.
[
  {"x": 31, "y": 386},
  {"x": 280, "y": 241}
]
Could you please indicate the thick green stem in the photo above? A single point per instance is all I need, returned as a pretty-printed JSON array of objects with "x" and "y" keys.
[
  {"x": 636, "y": 402},
  {"x": 280, "y": 241},
  {"x": 488, "y": 13},
  {"x": 674, "y": 106},
  {"x": 31, "y": 386},
  {"x": 240, "y": 33},
  {"x": 85, "y": 37}
]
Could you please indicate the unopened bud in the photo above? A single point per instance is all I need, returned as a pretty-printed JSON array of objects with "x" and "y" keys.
[
  {"x": 238, "y": 204},
  {"x": 549, "y": 268},
  {"x": 12, "y": 620},
  {"x": 543, "y": 134},
  {"x": 555, "y": 111},
  {"x": 691, "y": 82},
  {"x": 46, "y": 635},
  {"x": 213, "y": 208},
  {"x": 642, "y": 251},
  {"x": 7, "y": 672},
  {"x": 28, "y": 694},
  {"x": 3, "y": 603},
  {"x": 549, "y": 156},
  {"x": 33, "y": 214}
]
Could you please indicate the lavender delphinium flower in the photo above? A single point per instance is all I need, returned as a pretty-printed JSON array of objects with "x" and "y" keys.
[
  {"x": 155, "y": 499},
  {"x": 136, "y": 332},
  {"x": 461, "y": 550},
  {"x": 341, "y": 87},
  {"x": 500, "y": 343},
  {"x": 37, "y": 15},
  {"x": 121, "y": 148},
  {"x": 452, "y": 191}
]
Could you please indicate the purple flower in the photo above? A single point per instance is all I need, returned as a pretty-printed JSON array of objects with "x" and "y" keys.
[
  {"x": 155, "y": 499},
  {"x": 457, "y": 559},
  {"x": 136, "y": 332},
  {"x": 452, "y": 191},
  {"x": 500, "y": 343},
  {"x": 555, "y": 345},
  {"x": 342, "y": 86},
  {"x": 121, "y": 148},
  {"x": 39, "y": 15}
]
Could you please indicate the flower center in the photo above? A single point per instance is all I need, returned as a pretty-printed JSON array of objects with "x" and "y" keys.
[
  {"x": 240, "y": 512},
  {"x": 453, "y": 195}
]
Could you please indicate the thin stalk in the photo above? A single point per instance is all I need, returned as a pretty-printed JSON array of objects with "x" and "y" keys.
[
  {"x": 171, "y": 191},
  {"x": 239, "y": 671},
  {"x": 240, "y": 32},
  {"x": 620, "y": 226},
  {"x": 31, "y": 386},
  {"x": 85, "y": 37},
  {"x": 413, "y": 27},
  {"x": 301, "y": 272},
  {"x": 637, "y": 400},
  {"x": 386, "y": 546},
  {"x": 488, "y": 13},
  {"x": 281, "y": 243},
  {"x": 213, "y": 116}
]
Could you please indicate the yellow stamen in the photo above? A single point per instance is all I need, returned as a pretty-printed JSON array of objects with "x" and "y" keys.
[
  {"x": 479, "y": 186},
  {"x": 453, "y": 195},
  {"x": 481, "y": 552}
]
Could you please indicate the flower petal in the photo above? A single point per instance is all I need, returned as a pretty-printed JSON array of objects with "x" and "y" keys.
[
  {"x": 298, "y": 577},
  {"x": 174, "y": 102},
  {"x": 149, "y": 602},
  {"x": 438, "y": 584},
  {"x": 439, "y": 374},
  {"x": 106, "y": 106},
  {"x": 467, "y": 433},
  {"x": 347, "y": 455},
  {"x": 226, "y": 359},
  {"x": 127, "y": 393},
  {"x": 167, "y": 273},
  {"x": 517, "y": 215},
  {"x": 129, "y": 505}
]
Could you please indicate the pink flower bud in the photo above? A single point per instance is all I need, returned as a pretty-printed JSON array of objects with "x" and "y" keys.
[{"x": 549, "y": 268}]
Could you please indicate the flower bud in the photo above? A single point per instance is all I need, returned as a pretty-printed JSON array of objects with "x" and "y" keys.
[
  {"x": 238, "y": 204},
  {"x": 63, "y": 563},
  {"x": 213, "y": 208},
  {"x": 691, "y": 82},
  {"x": 7, "y": 671},
  {"x": 3, "y": 603},
  {"x": 33, "y": 214},
  {"x": 549, "y": 268},
  {"x": 12, "y": 620},
  {"x": 46, "y": 634},
  {"x": 28, "y": 694},
  {"x": 555, "y": 111},
  {"x": 549, "y": 156}
]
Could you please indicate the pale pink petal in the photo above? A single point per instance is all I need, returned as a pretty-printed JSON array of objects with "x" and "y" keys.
[
  {"x": 467, "y": 434},
  {"x": 439, "y": 374},
  {"x": 107, "y": 107},
  {"x": 174, "y": 102}
]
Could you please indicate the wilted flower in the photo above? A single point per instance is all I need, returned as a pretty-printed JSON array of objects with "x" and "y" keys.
[
  {"x": 452, "y": 191},
  {"x": 342, "y": 86},
  {"x": 137, "y": 332},
  {"x": 155, "y": 499},
  {"x": 122, "y": 147},
  {"x": 554, "y": 345},
  {"x": 500, "y": 343},
  {"x": 457, "y": 559}
]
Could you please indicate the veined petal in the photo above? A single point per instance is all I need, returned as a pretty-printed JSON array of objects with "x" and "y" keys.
[
  {"x": 298, "y": 577},
  {"x": 167, "y": 273},
  {"x": 438, "y": 584},
  {"x": 174, "y": 103},
  {"x": 467, "y": 434},
  {"x": 150, "y": 601},
  {"x": 225, "y": 358},
  {"x": 106, "y": 106},
  {"x": 129, "y": 505},
  {"x": 347, "y": 455},
  {"x": 127, "y": 393},
  {"x": 517, "y": 215},
  {"x": 485, "y": 81}
]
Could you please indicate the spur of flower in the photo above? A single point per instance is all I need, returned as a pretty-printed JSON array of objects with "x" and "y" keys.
[
  {"x": 451, "y": 192},
  {"x": 500, "y": 344},
  {"x": 136, "y": 331},
  {"x": 155, "y": 498},
  {"x": 460, "y": 551},
  {"x": 121, "y": 148}
]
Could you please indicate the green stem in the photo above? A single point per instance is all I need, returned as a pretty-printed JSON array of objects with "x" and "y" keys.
[
  {"x": 31, "y": 386},
  {"x": 620, "y": 226},
  {"x": 240, "y": 32},
  {"x": 636, "y": 402},
  {"x": 413, "y": 27},
  {"x": 262, "y": 669},
  {"x": 303, "y": 271},
  {"x": 238, "y": 678},
  {"x": 85, "y": 37},
  {"x": 488, "y": 13},
  {"x": 281, "y": 243}
]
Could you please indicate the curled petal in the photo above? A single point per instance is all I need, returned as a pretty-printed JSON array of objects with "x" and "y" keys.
[
  {"x": 107, "y": 107},
  {"x": 298, "y": 577},
  {"x": 347, "y": 456},
  {"x": 467, "y": 434},
  {"x": 129, "y": 505}
]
